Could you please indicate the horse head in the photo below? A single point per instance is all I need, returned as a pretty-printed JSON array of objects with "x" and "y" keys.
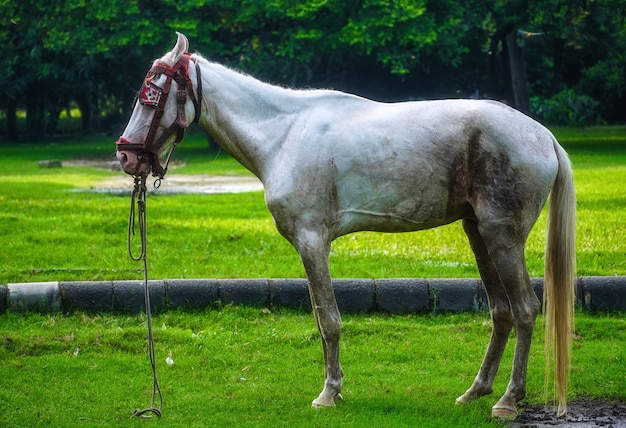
[{"x": 159, "y": 119}]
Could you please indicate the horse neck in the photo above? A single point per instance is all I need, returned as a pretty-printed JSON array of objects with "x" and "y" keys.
[{"x": 246, "y": 117}]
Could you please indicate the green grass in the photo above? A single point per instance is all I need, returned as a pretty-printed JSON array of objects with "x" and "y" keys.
[
  {"x": 53, "y": 230},
  {"x": 249, "y": 367}
]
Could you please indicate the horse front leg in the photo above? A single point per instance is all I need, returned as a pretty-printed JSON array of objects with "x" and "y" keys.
[{"x": 314, "y": 251}]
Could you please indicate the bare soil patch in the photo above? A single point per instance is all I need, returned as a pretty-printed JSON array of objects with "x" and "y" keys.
[
  {"x": 177, "y": 183},
  {"x": 172, "y": 183},
  {"x": 583, "y": 413}
]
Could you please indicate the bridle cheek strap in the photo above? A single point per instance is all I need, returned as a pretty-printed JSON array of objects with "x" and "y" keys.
[{"x": 152, "y": 95}]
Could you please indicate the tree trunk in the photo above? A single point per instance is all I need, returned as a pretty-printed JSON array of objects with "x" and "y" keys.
[
  {"x": 557, "y": 71},
  {"x": 35, "y": 114},
  {"x": 492, "y": 67},
  {"x": 86, "y": 112},
  {"x": 519, "y": 81},
  {"x": 499, "y": 66},
  {"x": 11, "y": 120}
]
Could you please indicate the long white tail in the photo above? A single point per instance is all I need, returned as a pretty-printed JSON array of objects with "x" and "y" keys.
[{"x": 559, "y": 292}]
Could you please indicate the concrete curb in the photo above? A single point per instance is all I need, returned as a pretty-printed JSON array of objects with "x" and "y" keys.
[{"x": 389, "y": 295}]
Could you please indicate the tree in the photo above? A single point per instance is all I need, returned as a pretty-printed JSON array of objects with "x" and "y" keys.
[
  {"x": 67, "y": 52},
  {"x": 63, "y": 51}
]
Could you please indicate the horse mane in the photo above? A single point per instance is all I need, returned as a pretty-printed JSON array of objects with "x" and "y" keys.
[
  {"x": 239, "y": 73},
  {"x": 276, "y": 88}
]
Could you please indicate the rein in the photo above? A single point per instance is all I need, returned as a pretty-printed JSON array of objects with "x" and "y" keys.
[{"x": 138, "y": 215}]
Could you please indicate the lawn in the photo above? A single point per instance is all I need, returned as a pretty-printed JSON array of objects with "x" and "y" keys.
[
  {"x": 251, "y": 366},
  {"x": 54, "y": 229}
]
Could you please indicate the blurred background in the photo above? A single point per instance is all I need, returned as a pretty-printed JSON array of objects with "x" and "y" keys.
[{"x": 74, "y": 66}]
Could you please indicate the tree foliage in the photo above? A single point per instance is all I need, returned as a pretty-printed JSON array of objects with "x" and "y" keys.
[{"x": 92, "y": 55}]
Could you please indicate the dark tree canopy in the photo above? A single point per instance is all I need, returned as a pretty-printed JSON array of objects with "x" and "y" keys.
[{"x": 560, "y": 61}]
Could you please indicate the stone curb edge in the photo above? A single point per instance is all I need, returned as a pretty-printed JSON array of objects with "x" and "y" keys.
[{"x": 389, "y": 295}]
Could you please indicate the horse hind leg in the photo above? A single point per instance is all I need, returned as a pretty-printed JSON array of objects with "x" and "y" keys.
[
  {"x": 501, "y": 317},
  {"x": 505, "y": 242}
]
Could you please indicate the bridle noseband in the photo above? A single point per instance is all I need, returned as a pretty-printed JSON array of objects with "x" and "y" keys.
[{"x": 155, "y": 96}]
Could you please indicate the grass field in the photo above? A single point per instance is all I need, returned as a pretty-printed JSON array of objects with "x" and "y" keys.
[
  {"x": 252, "y": 367},
  {"x": 53, "y": 229},
  {"x": 249, "y": 367}
]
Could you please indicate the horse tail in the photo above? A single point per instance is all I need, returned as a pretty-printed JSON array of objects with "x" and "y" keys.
[{"x": 560, "y": 277}]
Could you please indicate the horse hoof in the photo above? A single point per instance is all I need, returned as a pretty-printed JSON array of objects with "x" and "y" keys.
[
  {"x": 464, "y": 399},
  {"x": 322, "y": 402},
  {"x": 471, "y": 395},
  {"x": 504, "y": 412}
]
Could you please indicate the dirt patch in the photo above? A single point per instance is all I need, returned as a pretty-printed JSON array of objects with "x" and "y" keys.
[
  {"x": 109, "y": 163},
  {"x": 172, "y": 183},
  {"x": 584, "y": 413},
  {"x": 187, "y": 184}
]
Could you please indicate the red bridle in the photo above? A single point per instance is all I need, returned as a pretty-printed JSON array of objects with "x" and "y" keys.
[{"x": 154, "y": 96}]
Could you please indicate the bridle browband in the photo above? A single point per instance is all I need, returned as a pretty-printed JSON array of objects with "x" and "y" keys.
[{"x": 155, "y": 96}]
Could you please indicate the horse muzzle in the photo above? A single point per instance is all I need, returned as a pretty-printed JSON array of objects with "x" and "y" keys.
[{"x": 133, "y": 159}]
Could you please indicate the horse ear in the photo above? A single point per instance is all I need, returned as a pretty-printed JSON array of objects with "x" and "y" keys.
[{"x": 181, "y": 46}]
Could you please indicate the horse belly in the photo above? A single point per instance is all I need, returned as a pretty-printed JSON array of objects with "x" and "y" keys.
[
  {"x": 392, "y": 206},
  {"x": 399, "y": 184}
]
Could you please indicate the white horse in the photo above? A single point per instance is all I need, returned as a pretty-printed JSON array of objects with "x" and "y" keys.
[{"x": 333, "y": 163}]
